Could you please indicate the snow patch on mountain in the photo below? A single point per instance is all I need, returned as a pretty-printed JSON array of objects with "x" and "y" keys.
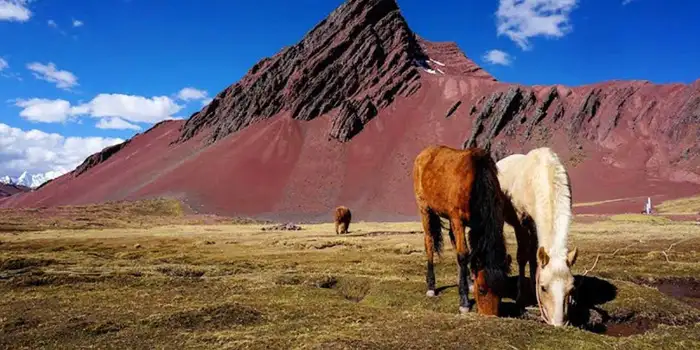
[{"x": 30, "y": 180}]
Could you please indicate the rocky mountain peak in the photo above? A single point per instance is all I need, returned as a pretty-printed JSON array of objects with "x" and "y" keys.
[{"x": 353, "y": 63}]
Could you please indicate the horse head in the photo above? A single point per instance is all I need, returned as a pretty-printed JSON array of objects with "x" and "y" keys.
[
  {"x": 555, "y": 284},
  {"x": 487, "y": 298}
]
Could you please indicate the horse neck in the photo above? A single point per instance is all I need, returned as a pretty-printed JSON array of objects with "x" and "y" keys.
[
  {"x": 548, "y": 196},
  {"x": 553, "y": 207}
]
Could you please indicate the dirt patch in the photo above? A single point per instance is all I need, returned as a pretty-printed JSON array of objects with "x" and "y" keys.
[
  {"x": 387, "y": 233},
  {"x": 282, "y": 227},
  {"x": 210, "y": 317},
  {"x": 590, "y": 313},
  {"x": 621, "y": 324},
  {"x": 686, "y": 290},
  {"x": 318, "y": 244},
  {"x": 628, "y": 328}
]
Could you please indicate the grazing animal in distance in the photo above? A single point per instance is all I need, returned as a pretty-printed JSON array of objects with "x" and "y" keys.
[
  {"x": 462, "y": 187},
  {"x": 538, "y": 206},
  {"x": 342, "y": 219}
]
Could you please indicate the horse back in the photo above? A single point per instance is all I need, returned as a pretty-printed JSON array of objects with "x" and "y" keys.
[
  {"x": 342, "y": 214},
  {"x": 442, "y": 179}
]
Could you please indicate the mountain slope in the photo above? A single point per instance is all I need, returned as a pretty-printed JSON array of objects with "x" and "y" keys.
[
  {"x": 7, "y": 190},
  {"x": 339, "y": 117}
]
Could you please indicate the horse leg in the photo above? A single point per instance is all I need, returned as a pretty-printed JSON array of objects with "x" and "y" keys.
[
  {"x": 336, "y": 228},
  {"x": 534, "y": 244},
  {"x": 521, "y": 236},
  {"x": 428, "y": 220},
  {"x": 462, "y": 265},
  {"x": 454, "y": 247},
  {"x": 452, "y": 237}
]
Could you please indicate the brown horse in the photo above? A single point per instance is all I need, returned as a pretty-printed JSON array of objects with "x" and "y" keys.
[
  {"x": 462, "y": 187},
  {"x": 342, "y": 219}
]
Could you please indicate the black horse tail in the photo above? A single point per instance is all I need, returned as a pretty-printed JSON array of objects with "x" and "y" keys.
[{"x": 488, "y": 245}]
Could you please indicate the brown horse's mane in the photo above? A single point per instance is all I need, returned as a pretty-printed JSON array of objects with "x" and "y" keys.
[{"x": 488, "y": 246}]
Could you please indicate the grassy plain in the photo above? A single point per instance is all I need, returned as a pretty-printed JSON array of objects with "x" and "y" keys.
[{"x": 139, "y": 281}]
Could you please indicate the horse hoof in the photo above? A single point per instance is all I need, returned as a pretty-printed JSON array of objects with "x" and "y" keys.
[
  {"x": 430, "y": 293},
  {"x": 463, "y": 310}
]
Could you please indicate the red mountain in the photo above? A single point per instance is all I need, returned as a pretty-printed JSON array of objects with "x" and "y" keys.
[{"x": 339, "y": 117}]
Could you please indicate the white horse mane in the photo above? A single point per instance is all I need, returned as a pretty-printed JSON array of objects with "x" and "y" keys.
[{"x": 539, "y": 186}]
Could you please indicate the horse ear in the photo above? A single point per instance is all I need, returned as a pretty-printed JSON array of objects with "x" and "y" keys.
[
  {"x": 542, "y": 257},
  {"x": 571, "y": 257}
]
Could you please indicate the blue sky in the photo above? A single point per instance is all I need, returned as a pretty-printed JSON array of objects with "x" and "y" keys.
[{"x": 86, "y": 74}]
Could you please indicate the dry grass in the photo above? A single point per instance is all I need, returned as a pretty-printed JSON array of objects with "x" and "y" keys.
[
  {"x": 235, "y": 286},
  {"x": 683, "y": 206},
  {"x": 641, "y": 218},
  {"x": 120, "y": 214}
]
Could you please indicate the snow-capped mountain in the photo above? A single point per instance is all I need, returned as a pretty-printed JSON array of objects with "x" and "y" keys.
[{"x": 29, "y": 180}]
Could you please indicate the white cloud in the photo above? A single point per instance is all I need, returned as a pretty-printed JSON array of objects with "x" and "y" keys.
[
  {"x": 190, "y": 94},
  {"x": 116, "y": 123},
  {"x": 129, "y": 108},
  {"x": 48, "y": 72},
  {"x": 14, "y": 10},
  {"x": 52, "y": 23},
  {"x": 45, "y": 111},
  {"x": 5, "y": 70},
  {"x": 626, "y": 2},
  {"x": 497, "y": 57},
  {"x": 521, "y": 20},
  {"x": 136, "y": 109},
  {"x": 77, "y": 23},
  {"x": 38, "y": 152},
  {"x": 207, "y": 101}
]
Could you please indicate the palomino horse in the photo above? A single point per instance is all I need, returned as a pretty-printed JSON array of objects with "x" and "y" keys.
[
  {"x": 540, "y": 201},
  {"x": 462, "y": 187}
]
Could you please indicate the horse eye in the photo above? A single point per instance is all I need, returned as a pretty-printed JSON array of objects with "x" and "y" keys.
[
  {"x": 482, "y": 291},
  {"x": 544, "y": 289}
]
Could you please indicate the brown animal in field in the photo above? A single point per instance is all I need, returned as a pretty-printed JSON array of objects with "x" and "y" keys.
[
  {"x": 342, "y": 220},
  {"x": 462, "y": 187}
]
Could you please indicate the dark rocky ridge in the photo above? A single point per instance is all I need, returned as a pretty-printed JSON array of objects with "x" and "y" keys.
[
  {"x": 7, "y": 190},
  {"x": 513, "y": 119},
  {"x": 99, "y": 157},
  {"x": 355, "y": 62}
]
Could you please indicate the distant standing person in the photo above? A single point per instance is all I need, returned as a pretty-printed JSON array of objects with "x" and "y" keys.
[
  {"x": 342, "y": 219},
  {"x": 647, "y": 206}
]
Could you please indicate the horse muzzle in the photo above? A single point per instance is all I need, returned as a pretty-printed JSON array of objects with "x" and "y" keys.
[{"x": 543, "y": 312}]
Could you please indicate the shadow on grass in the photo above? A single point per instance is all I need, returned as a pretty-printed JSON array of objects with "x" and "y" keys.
[{"x": 585, "y": 311}]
